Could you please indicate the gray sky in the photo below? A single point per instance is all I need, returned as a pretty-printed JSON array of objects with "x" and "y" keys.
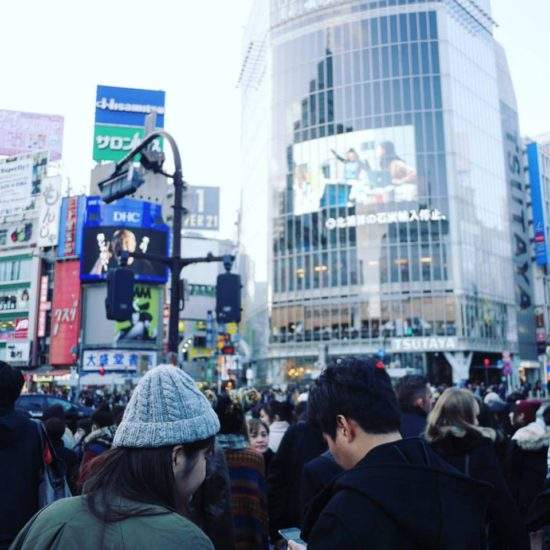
[
  {"x": 523, "y": 31},
  {"x": 56, "y": 52}
]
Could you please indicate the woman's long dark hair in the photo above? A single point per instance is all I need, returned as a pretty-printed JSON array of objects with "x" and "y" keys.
[
  {"x": 142, "y": 475},
  {"x": 389, "y": 155}
]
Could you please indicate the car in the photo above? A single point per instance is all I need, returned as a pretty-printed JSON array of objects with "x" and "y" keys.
[{"x": 36, "y": 403}]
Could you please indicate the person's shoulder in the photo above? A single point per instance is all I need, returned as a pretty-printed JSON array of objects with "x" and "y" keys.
[{"x": 61, "y": 511}]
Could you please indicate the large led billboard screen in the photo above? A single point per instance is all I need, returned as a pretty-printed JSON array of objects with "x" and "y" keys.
[
  {"x": 366, "y": 167},
  {"x": 126, "y": 225}
]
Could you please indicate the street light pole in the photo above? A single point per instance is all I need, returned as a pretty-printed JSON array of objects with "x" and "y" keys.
[
  {"x": 175, "y": 267},
  {"x": 174, "y": 262}
]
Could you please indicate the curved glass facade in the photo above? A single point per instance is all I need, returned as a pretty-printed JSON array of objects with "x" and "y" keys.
[{"x": 389, "y": 221}]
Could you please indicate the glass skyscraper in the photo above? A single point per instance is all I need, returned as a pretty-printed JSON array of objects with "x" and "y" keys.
[{"x": 386, "y": 182}]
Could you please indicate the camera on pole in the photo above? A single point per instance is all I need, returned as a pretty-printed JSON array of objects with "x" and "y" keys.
[
  {"x": 120, "y": 292},
  {"x": 228, "y": 295}
]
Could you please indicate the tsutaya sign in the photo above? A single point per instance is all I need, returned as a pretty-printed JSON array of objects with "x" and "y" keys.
[{"x": 431, "y": 343}]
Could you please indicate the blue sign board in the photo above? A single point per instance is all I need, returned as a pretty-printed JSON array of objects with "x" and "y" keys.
[
  {"x": 124, "y": 213},
  {"x": 537, "y": 205},
  {"x": 71, "y": 220},
  {"x": 128, "y": 106},
  {"x": 124, "y": 225}
]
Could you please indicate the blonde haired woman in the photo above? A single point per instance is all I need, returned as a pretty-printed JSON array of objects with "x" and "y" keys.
[{"x": 454, "y": 433}]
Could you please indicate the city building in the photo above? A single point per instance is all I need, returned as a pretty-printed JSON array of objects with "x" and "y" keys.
[{"x": 381, "y": 138}]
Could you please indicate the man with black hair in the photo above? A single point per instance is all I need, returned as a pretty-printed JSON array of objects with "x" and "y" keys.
[
  {"x": 20, "y": 459},
  {"x": 395, "y": 493},
  {"x": 415, "y": 401}
]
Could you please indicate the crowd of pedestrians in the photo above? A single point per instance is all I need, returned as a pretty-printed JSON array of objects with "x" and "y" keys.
[{"x": 353, "y": 461}]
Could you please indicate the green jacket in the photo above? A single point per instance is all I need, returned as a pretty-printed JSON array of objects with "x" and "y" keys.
[{"x": 68, "y": 523}]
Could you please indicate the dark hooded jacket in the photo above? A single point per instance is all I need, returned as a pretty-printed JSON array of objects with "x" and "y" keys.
[
  {"x": 20, "y": 466},
  {"x": 401, "y": 496},
  {"x": 474, "y": 454},
  {"x": 413, "y": 421}
]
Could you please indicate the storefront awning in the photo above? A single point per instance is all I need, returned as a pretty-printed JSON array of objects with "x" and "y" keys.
[{"x": 108, "y": 379}]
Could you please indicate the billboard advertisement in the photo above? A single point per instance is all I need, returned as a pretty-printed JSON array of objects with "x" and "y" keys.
[
  {"x": 16, "y": 328},
  {"x": 65, "y": 312},
  {"x": 71, "y": 220},
  {"x": 537, "y": 206},
  {"x": 128, "y": 106},
  {"x": 366, "y": 167},
  {"x": 143, "y": 330},
  {"x": 21, "y": 183},
  {"x": 24, "y": 132},
  {"x": 127, "y": 225},
  {"x": 20, "y": 233},
  {"x": 15, "y": 299},
  {"x": 118, "y": 360},
  {"x": 203, "y": 208},
  {"x": 49, "y": 208},
  {"x": 112, "y": 143},
  {"x": 15, "y": 352}
]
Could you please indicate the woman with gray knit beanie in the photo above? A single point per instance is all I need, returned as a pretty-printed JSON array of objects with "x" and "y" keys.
[{"x": 136, "y": 494}]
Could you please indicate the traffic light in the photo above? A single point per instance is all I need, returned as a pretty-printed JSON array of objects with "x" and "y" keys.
[
  {"x": 228, "y": 298},
  {"x": 121, "y": 184},
  {"x": 120, "y": 294}
]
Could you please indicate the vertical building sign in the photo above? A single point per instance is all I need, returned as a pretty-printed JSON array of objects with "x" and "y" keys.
[
  {"x": 65, "y": 312},
  {"x": 521, "y": 246},
  {"x": 43, "y": 306},
  {"x": 537, "y": 205},
  {"x": 69, "y": 241},
  {"x": 50, "y": 205}
]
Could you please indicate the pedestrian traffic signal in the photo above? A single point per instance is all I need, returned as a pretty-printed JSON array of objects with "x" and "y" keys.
[
  {"x": 120, "y": 294},
  {"x": 228, "y": 298}
]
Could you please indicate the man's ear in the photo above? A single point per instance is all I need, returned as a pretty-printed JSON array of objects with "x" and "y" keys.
[{"x": 346, "y": 428}]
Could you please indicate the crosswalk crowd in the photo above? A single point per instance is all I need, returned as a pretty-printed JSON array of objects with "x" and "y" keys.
[{"x": 354, "y": 460}]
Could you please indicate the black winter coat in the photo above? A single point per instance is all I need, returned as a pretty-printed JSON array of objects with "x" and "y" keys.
[
  {"x": 401, "y": 496},
  {"x": 475, "y": 455},
  {"x": 300, "y": 444},
  {"x": 526, "y": 464},
  {"x": 20, "y": 466},
  {"x": 316, "y": 475}
]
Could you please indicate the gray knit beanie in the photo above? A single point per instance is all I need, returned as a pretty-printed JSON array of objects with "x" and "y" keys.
[{"x": 166, "y": 408}]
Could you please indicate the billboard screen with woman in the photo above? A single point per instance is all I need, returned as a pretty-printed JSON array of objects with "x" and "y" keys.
[{"x": 366, "y": 167}]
